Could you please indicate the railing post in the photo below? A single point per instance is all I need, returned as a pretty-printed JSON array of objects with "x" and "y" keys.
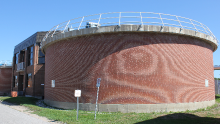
[
  {"x": 179, "y": 22},
  {"x": 66, "y": 26},
  {"x": 99, "y": 20},
  {"x": 119, "y": 19},
  {"x": 141, "y": 20},
  {"x": 161, "y": 20},
  {"x": 54, "y": 31},
  {"x": 80, "y": 22},
  {"x": 193, "y": 25},
  {"x": 45, "y": 37},
  {"x": 205, "y": 29}
]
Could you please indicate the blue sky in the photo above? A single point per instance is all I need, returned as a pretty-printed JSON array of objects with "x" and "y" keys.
[{"x": 19, "y": 19}]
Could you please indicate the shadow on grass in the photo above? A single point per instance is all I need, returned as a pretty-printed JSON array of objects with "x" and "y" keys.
[
  {"x": 181, "y": 118},
  {"x": 217, "y": 96},
  {"x": 20, "y": 100}
]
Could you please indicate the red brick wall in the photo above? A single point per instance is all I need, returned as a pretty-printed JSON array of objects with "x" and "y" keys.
[
  {"x": 39, "y": 79},
  {"x": 5, "y": 80},
  {"x": 135, "y": 68},
  {"x": 37, "y": 71}
]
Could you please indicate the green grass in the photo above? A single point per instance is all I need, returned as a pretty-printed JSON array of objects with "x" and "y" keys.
[{"x": 201, "y": 116}]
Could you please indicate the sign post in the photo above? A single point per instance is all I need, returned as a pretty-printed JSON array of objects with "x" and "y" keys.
[
  {"x": 77, "y": 94},
  {"x": 97, "y": 85}
]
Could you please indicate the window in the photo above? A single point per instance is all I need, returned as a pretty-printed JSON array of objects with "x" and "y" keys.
[
  {"x": 29, "y": 80},
  {"x": 22, "y": 54},
  {"x": 30, "y": 58},
  {"x": 41, "y": 57},
  {"x": 16, "y": 58},
  {"x": 15, "y": 84}
]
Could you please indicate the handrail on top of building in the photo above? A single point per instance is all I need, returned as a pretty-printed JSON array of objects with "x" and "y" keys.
[
  {"x": 5, "y": 63},
  {"x": 120, "y": 18}
]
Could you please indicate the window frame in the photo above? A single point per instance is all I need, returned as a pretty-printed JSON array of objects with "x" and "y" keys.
[
  {"x": 16, "y": 58},
  {"x": 30, "y": 55},
  {"x": 15, "y": 84}
]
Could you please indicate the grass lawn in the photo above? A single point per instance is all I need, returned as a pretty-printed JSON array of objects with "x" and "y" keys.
[{"x": 209, "y": 115}]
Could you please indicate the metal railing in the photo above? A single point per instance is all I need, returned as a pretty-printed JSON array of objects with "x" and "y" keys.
[
  {"x": 5, "y": 63},
  {"x": 121, "y": 18},
  {"x": 216, "y": 66},
  {"x": 20, "y": 66}
]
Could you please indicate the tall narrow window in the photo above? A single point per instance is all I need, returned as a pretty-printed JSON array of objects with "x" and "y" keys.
[
  {"x": 30, "y": 59},
  {"x": 15, "y": 81},
  {"x": 29, "y": 80},
  {"x": 41, "y": 57},
  {"x": 16, "y": 58},
  {"x": 22, "y": 56}
]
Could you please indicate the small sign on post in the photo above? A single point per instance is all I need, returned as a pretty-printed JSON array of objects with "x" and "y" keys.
[
  {"x": 77, "y": 94},
  {"x": 98, "y": 82},
  {"x": 97, "y": 85}
]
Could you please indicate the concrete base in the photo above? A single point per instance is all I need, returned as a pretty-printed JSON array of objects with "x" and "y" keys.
[{"x": 138, "y": 108}]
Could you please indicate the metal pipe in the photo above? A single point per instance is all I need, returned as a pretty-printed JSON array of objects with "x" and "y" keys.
[
  {"x": 96, "y": 102},
  {"x": 81, "y": 22},
  {"x": 77, "y": 108}
]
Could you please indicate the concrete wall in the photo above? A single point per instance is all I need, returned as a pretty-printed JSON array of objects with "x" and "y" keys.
[
  {"x": 138, "y": 108},
  {"x": 135, "y": 68}
]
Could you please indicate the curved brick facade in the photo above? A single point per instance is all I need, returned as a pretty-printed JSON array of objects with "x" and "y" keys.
[
  {"x": 135, "y": 68},
  {"x": 5, "y": 80}
]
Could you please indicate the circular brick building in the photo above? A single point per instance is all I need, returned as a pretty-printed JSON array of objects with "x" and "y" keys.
[
  {"x": 5, "y": 79},
  {"x": 143, "y": 68}
]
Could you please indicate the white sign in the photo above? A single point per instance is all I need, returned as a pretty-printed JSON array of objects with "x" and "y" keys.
[
  {"x": 98, "y": 82},
  {"x": 52, "y": 83},
  {"x": 77, "y": 93},
  {"x": 206, "y": 83}
]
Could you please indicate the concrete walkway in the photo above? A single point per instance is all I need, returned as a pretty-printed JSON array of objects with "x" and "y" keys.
[{"x": 12, "y": 116}]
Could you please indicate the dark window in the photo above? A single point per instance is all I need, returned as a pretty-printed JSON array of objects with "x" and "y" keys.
[
  {"x": 41, "y": 57},
  {"x": 30, "y": 58},
  {"x": 29, "y": 80},
  {"x": 22, "y": 56},
  {"x": 15, "y": 84},
  {"x": 16, "y": 58}
]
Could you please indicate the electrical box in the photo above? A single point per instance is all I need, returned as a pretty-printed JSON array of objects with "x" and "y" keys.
[
  {"x": 52, "y": 83},
  {"x": 206, "y": 83},
  {"x": 92, "y": 24}
]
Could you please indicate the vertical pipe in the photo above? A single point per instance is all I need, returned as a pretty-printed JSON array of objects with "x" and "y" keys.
[
  {"x": 99, "y": 20},
  {"x": 77, "y": 108},
  {"x": 96, "y": 101},
  {"x": 81, "y": 22},
  {"x": 120, "y": 19},
  {"x": 161, "y": 20}
]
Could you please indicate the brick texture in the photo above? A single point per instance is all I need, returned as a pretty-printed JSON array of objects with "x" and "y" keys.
[
  {"x": 135, "y": 68},
  {"x": 5, "y": 80},
  {"x": 37, "y": 70}
]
